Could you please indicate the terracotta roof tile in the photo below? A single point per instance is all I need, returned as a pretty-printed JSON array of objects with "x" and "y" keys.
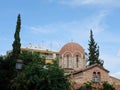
[{"x": 72, "y": 47}]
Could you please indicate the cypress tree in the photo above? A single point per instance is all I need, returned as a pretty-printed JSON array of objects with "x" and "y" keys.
[
  {"x": 93, "y": 55},
  {"x": 16, "y": 44}
]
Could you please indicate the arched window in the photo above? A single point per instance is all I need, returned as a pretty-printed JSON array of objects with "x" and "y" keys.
[
  {"x": 77, "y": 59},
  {"x": 67, "y": 59},
  {"x": 99, "y": 76},
  {"x": 96, "y": 77}
]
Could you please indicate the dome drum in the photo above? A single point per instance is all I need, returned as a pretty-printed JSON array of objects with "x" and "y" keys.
[{"x": 72, "y": 56}]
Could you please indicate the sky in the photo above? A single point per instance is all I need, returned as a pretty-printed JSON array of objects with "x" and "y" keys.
[{"x": 53, "y": 23}]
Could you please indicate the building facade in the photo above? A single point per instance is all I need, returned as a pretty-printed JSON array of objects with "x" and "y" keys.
[
  {"x": 49, "y": 55},
  {"x": 72, "y": 59}
]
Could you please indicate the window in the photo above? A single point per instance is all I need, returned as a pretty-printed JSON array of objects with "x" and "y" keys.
[
  {"x": 96, "y": 76},
  {"x": 67, "y": 58},
  {"x": 77, "y": 58}
]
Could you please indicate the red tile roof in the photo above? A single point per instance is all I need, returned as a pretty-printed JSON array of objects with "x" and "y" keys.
[{"x": 72, "y": 47}]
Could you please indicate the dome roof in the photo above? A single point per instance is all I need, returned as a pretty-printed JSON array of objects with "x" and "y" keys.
[{"x": 72, "y": 47}]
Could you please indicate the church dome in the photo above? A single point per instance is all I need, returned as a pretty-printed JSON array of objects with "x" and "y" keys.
[{"x": 72, "y": 47}]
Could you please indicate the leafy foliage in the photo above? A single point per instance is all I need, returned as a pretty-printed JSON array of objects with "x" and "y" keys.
[
  {"x": 96, "y": 86},
  {"x": 1, "y": 58},
  {"x": 87, "y": 86},
  {"x": 7, "y": 72},
  {"x": 7, "y": 64},
  {"x": 93, "y": 55},
  {"x": 28, "y": 57},
  {"x": 36, "y": 76},
  {"x": 107, "y": 86}
]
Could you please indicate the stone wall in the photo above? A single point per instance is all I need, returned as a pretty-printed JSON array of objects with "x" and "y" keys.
[
  {"x": 87, "y": 75},
  {"x": 114, "y": 81},
  {"x": 71, "y": 61}
]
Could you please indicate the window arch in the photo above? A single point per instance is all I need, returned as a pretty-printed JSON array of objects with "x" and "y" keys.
[
  {"x": 67, "y": 60},
  {"x": 77, "y": 59},
  {"x": 96, "y": 77},
  {"x": 99, "y": 76}
]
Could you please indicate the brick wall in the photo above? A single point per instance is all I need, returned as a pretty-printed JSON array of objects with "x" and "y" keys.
[
  {"x": 87, "y": 75},
  {"x": 114, "y": 81}
]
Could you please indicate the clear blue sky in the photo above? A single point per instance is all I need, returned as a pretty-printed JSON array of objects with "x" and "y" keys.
[{"x": 53, "y": 23}]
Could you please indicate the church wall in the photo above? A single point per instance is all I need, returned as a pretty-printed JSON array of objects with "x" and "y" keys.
[
  {"x": 80, "y": 64},
  {"x": 72, "y": 61},
  {"x": 79, "y": 78},
  {"x": 88, "y": 75},
  {"x": 114, "y": 81}
]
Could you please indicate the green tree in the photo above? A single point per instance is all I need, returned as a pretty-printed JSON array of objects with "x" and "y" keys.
[
  {"x": 16, "y": 44},
  {"x": 38, "y": 76},
  {"x": 1, "y": 58},
  {"x": 6, "y": 73},
  {"x": 97, "y": 86},
  {"x": 107, "y": 86},
  {"x": 7, "y": 63},
  {"x": 28, "y": 57},
  {"x": 93, "y": 55}
]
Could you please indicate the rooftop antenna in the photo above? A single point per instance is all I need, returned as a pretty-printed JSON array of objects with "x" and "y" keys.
[
  {"x": 59, "y": 45},
  {"x": 30, "y": 45},
  {"x": 71, "y": 40},
  {"x": 42, "y": 43},
  {"x": 51, "y": 45}
]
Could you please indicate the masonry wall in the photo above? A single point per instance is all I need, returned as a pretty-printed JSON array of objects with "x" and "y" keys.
[
  {"x": 114, "y": 81},
  {"x": 72, "y": 61},
  {"x": 87, "y": 75}
]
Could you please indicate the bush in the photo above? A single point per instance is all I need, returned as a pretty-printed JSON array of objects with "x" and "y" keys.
[
  {"x": 36, "y": 76},
  {"x": 107, "y": 86},
  {"x": 97, "y": 86}
]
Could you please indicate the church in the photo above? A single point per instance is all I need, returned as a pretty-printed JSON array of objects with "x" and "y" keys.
[{"x": 73, "y": 60}]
